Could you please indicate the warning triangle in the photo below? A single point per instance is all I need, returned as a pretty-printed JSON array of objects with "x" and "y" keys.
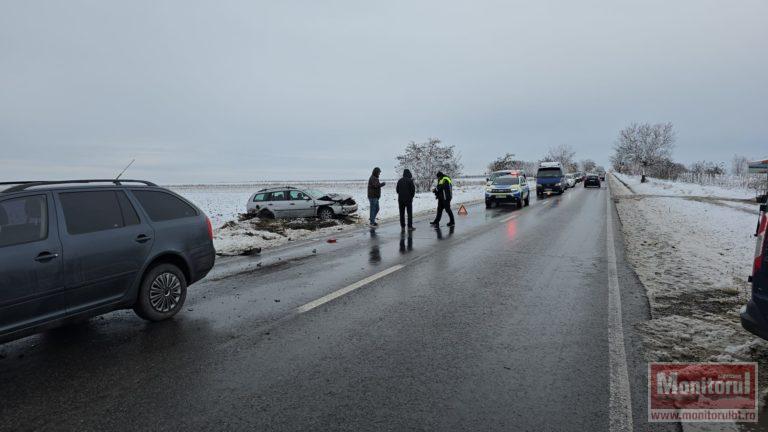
[{"x": 463, "y": 210}]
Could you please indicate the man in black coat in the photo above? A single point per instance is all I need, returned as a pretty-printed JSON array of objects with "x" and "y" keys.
[
  {"x": 444, "y": 194},
  {"x": 374, "y": 194},
  {"x": 406, "y": 190}
]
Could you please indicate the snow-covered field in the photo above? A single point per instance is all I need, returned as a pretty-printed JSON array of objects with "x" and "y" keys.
[
  {"x": 692, "y": 248},
  {"x": 668, "y": 187},
  {"x": 224, "y": 202}
]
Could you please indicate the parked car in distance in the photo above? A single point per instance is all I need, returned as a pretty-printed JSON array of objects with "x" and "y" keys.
[
  {"x": 72, "y": 250},
  {"x": 550, "y": 179},
  {"x": 570, "y": 180},
  {"x": 510, "y": 172},
  {"x": 291, "y": 202},
  {"x": 508, "y": 189},
  {"x": 754, "y": 316},
  {"x": 592, "y": 180}
]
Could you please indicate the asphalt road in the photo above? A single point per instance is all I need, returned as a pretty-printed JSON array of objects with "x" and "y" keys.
[{"x": 498, "y": 324}]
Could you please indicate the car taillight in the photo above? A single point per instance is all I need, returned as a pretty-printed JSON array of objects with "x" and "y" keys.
[
  {"x": 210, "y": 227},
  {"x": 760, "y": 251}
]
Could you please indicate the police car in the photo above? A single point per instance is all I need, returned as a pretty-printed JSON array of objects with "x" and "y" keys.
[
  {"x": 507, "y": 172},
  {"x": 508, "y": 189}
]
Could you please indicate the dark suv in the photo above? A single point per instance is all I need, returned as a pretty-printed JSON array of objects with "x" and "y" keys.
[
  {"x": 754, "y": 316},
  {"x": 75, "y": 249}
]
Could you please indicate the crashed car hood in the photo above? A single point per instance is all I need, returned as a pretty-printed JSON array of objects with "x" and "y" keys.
[{"x": 333, "y": 197}]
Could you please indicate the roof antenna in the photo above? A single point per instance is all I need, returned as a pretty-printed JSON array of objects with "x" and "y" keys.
[{"x": 124, "y": 170}]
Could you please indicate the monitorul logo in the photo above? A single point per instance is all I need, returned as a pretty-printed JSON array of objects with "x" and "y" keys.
[{"x": 702, "y": 392}]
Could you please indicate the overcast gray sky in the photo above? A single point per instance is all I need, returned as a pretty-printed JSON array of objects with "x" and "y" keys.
[{"x": 250, "y": 90}]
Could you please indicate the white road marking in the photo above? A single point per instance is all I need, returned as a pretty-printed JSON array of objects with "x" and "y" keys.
[
  {"x": 620, "y": 404},
  {"x": 338, "y": 293}
]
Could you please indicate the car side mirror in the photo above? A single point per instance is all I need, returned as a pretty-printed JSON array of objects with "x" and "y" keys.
[
  {"x": 487, "y": 179},
  {"x": 306, "y": 198}
]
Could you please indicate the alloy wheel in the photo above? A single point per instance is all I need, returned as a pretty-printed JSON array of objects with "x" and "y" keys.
[{"x": 165, "y": 292}]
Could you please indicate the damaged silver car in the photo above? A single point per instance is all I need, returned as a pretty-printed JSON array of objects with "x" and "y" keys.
[{"x": 291, "y": 202}]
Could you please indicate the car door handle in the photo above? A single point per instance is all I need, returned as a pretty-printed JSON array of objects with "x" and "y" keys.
[
  {"x": 292, "y": 203},
  {"x": 143, "y": 238},
  {"x": 46, "y": 256}
]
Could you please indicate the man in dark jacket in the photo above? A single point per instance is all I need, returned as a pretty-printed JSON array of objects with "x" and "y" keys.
[
  {"x": 444, "y": 194},
  {"x": 406, "y": 190},
  {"x": 374, "y": 193}
]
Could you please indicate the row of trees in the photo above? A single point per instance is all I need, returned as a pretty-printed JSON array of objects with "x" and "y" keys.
[
  {"x": 641, "y": 148},
  {"x": 563, "y": 154},
  {"x": 426, "y": 158},
  {"x": 646, "y": 149}
]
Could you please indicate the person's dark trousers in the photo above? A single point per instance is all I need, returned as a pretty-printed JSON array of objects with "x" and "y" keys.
[
  {"x": 443, "y": 205},
  {"x": 374, "y": 209},
  {"x": 403, "y": 208}
]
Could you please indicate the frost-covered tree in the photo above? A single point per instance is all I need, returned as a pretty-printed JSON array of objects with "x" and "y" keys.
[
  {"x": 563, "y": 154},
  {"x": 507, "y": 161},
  {"x": 739, "y": 165},
  {"x": 643, "y": 145},
  {"x": 587, "y": 165},
  {"x": 425, "y": 159},
  {"x": 668, "y": 169},
  {"x": 707, "y": 168}
]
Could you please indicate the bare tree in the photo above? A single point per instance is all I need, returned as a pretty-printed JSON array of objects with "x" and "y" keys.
[
  {"x": 425, "y": 159},
  {"x": 739, "y": 165},
  {"x": 563, "y": 154},
  {"x": 643, "y": 145}
]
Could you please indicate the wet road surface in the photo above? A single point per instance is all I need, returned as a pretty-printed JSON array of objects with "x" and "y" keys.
[{"x": 498, "y": 324}]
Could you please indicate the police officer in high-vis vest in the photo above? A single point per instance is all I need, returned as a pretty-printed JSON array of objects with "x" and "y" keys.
[{"x": 444, "y": 194}]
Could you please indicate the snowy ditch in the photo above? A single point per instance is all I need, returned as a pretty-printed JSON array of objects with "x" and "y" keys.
[
  {"x": 235, "y": 235},
  {"x": 692, "y": 247}
]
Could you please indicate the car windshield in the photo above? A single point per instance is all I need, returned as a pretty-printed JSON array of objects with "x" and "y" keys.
[
  {"x": 550, "y": 172},
  {"x": 315, "y": 193},
  {"x": 496, "y": 175},
  {"x": 506, "y": 181}
]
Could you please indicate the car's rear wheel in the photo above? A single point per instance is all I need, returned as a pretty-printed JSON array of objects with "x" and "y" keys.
[
  {"x": 162, "y": 293},
  {"x": 325, "y": 213},
  {"x": 266, "y": 214},
  {"x": 488, "y": 204},
  {"x": 528, "y": 200}
]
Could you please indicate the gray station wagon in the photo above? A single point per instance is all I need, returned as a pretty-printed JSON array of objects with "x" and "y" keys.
[
  {"x": 74, "y": 249},
  {"x": 291, "y": 202}
]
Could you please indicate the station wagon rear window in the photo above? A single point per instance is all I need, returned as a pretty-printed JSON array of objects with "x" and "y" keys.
[
  {"x": 23, "y": 220},
  {"x": 161, "y": 206}
]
